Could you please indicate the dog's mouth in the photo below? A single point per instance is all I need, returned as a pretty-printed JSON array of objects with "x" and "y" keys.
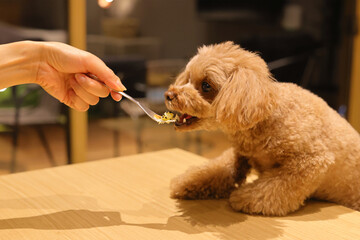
[{"x": 185, "y": 119}]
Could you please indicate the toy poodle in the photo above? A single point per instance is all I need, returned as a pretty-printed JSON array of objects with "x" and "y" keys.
[{"x": 300, "y": 147}]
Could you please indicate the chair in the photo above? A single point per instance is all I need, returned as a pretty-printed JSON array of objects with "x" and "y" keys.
[{"x": 46, "y": 112}]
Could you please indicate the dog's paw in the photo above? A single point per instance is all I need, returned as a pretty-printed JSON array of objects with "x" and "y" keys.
[
  {"x": 182, "y": 189},
  {"x": 266, "y": 203},
  {"x": 187, "y": 187},
  {"x": 184, "y": 192},
  {"x": 246, "y": 203}
]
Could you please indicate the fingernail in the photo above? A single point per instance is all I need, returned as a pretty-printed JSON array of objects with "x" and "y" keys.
[
  {"x": 119, "y": 98},
  {"x": 121, "y": 86},
  {"x": 80, "y": 77}
]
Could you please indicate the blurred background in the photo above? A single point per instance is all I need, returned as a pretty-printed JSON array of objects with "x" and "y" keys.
[{"x": 147, "y": 43}]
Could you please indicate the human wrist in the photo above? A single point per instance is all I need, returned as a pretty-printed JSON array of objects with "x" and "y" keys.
[
  {"x": 20, "y": 64},
  {"x": 32, "y": 53}
]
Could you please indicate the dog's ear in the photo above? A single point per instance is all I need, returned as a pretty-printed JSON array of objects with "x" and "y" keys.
[{"x": 246, "y": 98}]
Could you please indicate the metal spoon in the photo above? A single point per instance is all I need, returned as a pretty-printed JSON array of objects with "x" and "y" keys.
[{"x": 154, "y": 116}]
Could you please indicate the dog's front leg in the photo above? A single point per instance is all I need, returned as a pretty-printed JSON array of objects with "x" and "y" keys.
[
  {"x": 215, "y": 179},
  {"x": 284, "y": 189}
]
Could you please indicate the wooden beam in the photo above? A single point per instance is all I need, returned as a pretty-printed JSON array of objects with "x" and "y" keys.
[
  {"x": 354, "y": 99},
  {"x": 78, "y": 120}
]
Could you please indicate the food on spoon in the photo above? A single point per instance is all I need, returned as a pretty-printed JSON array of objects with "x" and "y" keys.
[{"x": 167, "y": 117}]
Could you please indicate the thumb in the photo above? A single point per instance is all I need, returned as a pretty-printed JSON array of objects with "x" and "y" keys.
[{"x": 97, "y": 67}]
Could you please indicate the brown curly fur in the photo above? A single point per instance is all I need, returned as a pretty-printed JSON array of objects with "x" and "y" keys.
[{"x": 299, "y": 145}]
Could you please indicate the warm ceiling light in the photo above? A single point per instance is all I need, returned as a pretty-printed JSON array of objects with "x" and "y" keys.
[{"x": 105, "y": 3}]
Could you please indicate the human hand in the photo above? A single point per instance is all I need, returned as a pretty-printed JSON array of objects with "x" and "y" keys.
[{"x": 62, "y": 73}]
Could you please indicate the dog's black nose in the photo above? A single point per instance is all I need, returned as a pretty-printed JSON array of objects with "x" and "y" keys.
[{"x": 170, "y": 95}]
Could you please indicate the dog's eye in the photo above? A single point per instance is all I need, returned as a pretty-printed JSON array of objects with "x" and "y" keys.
[{"x": 205, "y": 87}]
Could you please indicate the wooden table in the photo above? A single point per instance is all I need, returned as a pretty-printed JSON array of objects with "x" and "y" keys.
[{"x": 128, "y": 198}]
